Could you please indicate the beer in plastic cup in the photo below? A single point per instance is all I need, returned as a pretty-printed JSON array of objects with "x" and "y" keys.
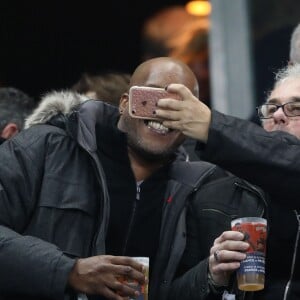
[
  {"x": 143, "y": 289},
  {"x": 251, "y": 274}
]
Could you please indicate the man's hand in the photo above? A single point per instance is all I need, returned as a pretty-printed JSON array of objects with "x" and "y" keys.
[
  {"x": 190, "y": 116},
  {"x": 226, "y": 254},
  {"x": 98, "y": 275}
]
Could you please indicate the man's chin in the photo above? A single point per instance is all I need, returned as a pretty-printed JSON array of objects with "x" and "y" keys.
[{"x": 153, "y": 155}]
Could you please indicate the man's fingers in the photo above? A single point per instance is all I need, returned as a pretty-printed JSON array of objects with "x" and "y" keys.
[
  {"x": 172, "y": 125},
  {"x": 180, "y": 89},
  {"x": 225, "y": 267},
  {"x": 128, "y": 272},
  {"x": 126, "y": 261},
  {"x": 126, "y": 287},
  {"x": 111, "y": 294},
  {"x": 229, "y": 235},
  {"x": 167, "y": 114},
  {"x": 170, "y": 104}
]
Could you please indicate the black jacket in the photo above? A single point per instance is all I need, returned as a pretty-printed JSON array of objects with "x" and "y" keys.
[
  {"x": 207, "y": 218},
  {"x": 2, "y": 140},
  {"x": 270, "y": 160},
  {"x": 54, "y": 207}
]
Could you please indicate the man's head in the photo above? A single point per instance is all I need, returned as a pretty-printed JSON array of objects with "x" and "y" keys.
[
  {"x": 286, "y": 92},
  {"x": 15, "y": 106},
  {"x": 295, "y": 46},
  {"x": 106, "y": 86},
  {"x": 150, "y": 139}
]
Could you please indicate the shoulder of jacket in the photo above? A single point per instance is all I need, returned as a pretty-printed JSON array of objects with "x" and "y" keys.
[
  {"x": 221, "y": 177},
  {"x": 191, "y": 173},
  {"x": 233, "y": 192},
  {"x": 44, "y": 129},
  {"x": 37, "y": 134}
]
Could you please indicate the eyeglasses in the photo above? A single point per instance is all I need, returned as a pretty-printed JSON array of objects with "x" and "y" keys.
[{"x": 290, "y": 109}]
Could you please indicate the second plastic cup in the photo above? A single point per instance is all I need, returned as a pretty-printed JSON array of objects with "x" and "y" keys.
[{"x": 251, "y": 274}]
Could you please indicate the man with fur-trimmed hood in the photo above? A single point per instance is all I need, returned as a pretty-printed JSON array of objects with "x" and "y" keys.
[{"x": 86, "y": 187}]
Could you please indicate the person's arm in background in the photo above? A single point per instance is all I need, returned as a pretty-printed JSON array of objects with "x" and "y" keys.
[
  {"x": 270, "y": 160},
  {"x": 28, "y": 265}
]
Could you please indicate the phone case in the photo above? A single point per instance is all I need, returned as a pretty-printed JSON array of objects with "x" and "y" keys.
[{"x": 143, "y": 101}]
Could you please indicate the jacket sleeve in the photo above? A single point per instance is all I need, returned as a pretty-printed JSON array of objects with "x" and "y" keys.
[
  {"x": 193, "y": 285},
  {"x": 268, "y": 159},
  {"x": 28, "y": 265}
]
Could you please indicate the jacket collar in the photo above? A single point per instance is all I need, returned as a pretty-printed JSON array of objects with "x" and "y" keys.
[{"x": 83, "y": 121}]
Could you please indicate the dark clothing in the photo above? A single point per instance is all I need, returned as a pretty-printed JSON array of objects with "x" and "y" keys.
[
  {"x": 189, "y": 146},
  {"x": 2, "y": 140},
  {"x": 270, "y": 160},
  {"x": 46, "y": 180},
  {"x": 207, "y": 218},
  {"x": 65, "y": 194},
  {"x": 135, "y": 211}
]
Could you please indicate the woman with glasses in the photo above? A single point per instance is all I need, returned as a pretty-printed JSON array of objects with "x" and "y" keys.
[{"x": 267, "y": 155}]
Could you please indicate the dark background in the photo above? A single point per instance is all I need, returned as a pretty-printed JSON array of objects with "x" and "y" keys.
[{"x": 48, "y": 45}]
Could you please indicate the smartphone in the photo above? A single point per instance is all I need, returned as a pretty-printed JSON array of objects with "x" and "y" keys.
[{"x": 143, "y": 101}]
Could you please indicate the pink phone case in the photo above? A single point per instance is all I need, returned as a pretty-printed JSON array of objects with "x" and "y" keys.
[{"x": 143, "y": 101}]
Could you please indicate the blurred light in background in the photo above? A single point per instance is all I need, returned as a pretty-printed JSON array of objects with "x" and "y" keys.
[{"x": 200, "y": 8}]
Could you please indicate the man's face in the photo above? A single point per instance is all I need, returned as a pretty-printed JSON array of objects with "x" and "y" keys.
[
  {"x": 287, "y": 91},
  {"x": 147, "y": 138}
]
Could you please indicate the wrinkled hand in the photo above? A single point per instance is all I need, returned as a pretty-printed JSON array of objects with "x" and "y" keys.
[
  {"x": 190, "y": 116},
  {"x": 98, "y": 275},
  {"x": 226, "y": 255}
]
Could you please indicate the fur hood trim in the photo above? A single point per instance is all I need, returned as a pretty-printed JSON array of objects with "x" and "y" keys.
[{"x": 54, "y": 103}]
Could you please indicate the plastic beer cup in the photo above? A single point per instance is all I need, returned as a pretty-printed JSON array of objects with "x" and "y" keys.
[
  {"x": 251, "y": 274},
  {"x": 133, "y": 284}
]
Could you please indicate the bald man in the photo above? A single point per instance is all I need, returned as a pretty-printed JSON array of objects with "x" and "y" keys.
[{"x": 87, "y": 187}]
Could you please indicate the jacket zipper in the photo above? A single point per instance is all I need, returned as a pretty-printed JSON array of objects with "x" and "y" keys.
[
  {"x": 137, "y": 198},
  {"x": 294, "y": 258}
]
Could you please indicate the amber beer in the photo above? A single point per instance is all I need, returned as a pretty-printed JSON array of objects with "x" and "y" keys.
[
  {"x": 251, "y": 274},
  {"x": 133, "y": 284}
]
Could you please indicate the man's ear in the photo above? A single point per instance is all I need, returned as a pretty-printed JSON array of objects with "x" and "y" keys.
[
  {"x": 9, "y": 130},
  {"x": 123, "y": 103}
]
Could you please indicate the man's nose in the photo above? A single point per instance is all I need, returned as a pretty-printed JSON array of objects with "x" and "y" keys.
[{"x": 279, "y": 115}]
